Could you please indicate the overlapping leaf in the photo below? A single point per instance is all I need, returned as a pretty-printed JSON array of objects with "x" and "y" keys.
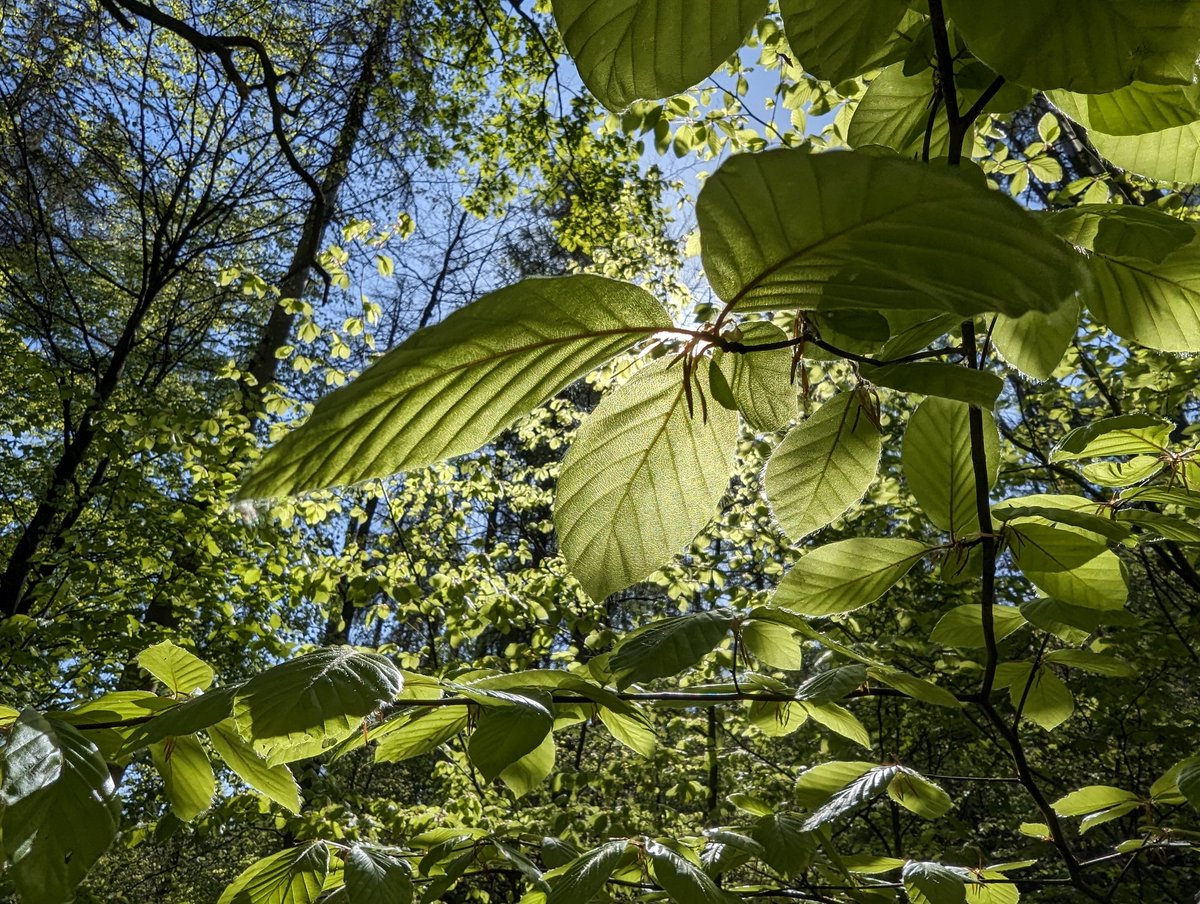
[
  {"x": 448, "y": 389},
  {"x": 938, "y": 463},
  {"x": 846, "y": 575},
  {"x": 641, "y": 479},
  {"x": 823, "y": 466},
  {"x": 1090, "y": 48},
  {"x": 58, "y": 808},
  {"x": 305, "y": 706},
  {"x": 628, "y": 50},
  {"x": 854, "y": 231},
  {"x": 836, "y": 41},
  {"x": 1145, "y": 273}
]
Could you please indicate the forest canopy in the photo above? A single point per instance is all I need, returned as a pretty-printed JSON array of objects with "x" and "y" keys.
[{"x": 599, "y": 450}]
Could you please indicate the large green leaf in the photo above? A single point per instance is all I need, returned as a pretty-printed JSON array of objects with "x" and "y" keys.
[
  {"x": 293, "y": 876},
  {"x": 917, "y": 688},
  {"x": 933, "y": 883},
  {"x": 505, "y": 733},
  {"x": 641, "y": 479},
  {"x": 855, "y": 231},
  {"x": 962, "y": 626},
  {"x": 186, "y": 718},
  {"x": 823, "y": 466},
  {"x": 938, "y": 464},
  {"x": 1137, "y": 109},
  {"x": 1126, "y": 434},
  {"x": 1041, "y": 695},
  {"x": 836, "y": 40},
  {"x": 761, "y": 382},
  {"x": 187, "y": 775},
  {"x": 529, "y": 771},
  {"x": 181, "y": 671},
  {"x": 1167, "y": 155},
  {"x": 58, "y": 808},
  {"x": 376, "y": 877},
  {"x": 787, "y": 848},
  {"x": 867, "y": 786},
  {"x": 846, "y": 575},
  {"x": 918, "y": 794},
  {"x": 448, "y": 389},
  {"x": 629, "y": 50},
  {"x": 1145, "y": 273},
  {"x": 1087, "y": 47},
  {"x": 303, "y": 707},
  {"x": 667, "y": 647},
  {"x": 417, "y": 733},
  {"x": 275, "y": 782},
  {"x": 938, "y": 378},
  {"x": 587, "y": 874},
  {"x": 1066, "y": 565},
  {"x": 682, "y": 880},
  {"x": 895, "y": 110},
  {"x": 1035, "y": 343}
]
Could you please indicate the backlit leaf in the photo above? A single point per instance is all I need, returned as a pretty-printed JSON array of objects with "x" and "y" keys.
[
  {"x": 846, "y": 575},
  {"x": 303, "y": 707},
  {"x": 642, "y": 478},
  {"x": 823, "y": 466},
  {"x": 628, "y": 50},
  {"x": 855, "y": 231},
  {"x": 450, "y": 388},
  {"x": 938, "y": 462}
]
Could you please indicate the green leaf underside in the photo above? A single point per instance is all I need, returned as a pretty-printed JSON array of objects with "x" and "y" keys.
[
  {"x": 846, "y": 575},
  {"x": 1090, "y": 48},
  {"x": 854, "y": 231},
  {"x": 1155, "y": 302},
  {"x": 419, "y": 733},
  {"x": 837, "y": 41},
  {"x": 305, "y": 706},
  {"x": 1167, "y": 155},
  {"x": 761, "y": 382},
  {"x": 938, "y": 465},
  {"x": 587, "y": 874},
  {"x": 186, "y": 774},
  {"x": 641, "y": 479},
  {"x": 667, "y": 647},
  {"x": 629, "y": 50},
  {"x": 1137, "y": 109},
  {"x": 1068, "y": 566},
  {"x": 962, "y": 626},
  {"x": 59, "y": 808},
  {"x": 274, "y": 782},
  {"x": 1035, "y": 343},
  {"x": 181, "y": 671},
  {"x": 530, "y": 770},
  {"x": 185, "y": 718},
  {"x": 823, "y": 466},
  {"x": 450, "y": 388},
  {"x": 376, "y": 877},
  {"x": 918, "y": 794},
  {"x": 504, "y": 734},
  {"x": 894, "y": 111},
  {"x": 937, "y": 378},
  {"x": 293, "y": 876},
  {"x": 1127, "y": 434},
  {"x": 1040, "y": 694}
]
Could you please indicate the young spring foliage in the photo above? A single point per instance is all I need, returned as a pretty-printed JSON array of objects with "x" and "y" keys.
[{"x": 891, "y": 280}]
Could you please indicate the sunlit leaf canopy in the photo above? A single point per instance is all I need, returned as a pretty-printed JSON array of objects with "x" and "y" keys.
[{"x": 852, "y": 558}]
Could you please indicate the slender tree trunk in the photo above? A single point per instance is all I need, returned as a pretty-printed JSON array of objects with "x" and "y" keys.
[{"x": 262, "y": 363}]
